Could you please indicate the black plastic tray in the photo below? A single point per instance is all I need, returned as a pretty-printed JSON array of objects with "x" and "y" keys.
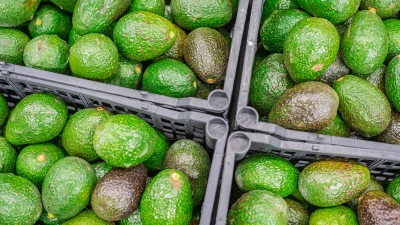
[
  {"x": 209, "y": 130},
  {"x": 246, "y": 117},
  {"x": 383, "y": 164}
]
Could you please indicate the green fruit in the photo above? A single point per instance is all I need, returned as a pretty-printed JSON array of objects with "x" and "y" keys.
[
  {"x": 37, "y": 118},
  {"x": 373, "y": 185},
  {"x": 67, "y": 5},
  {"x": 394, "y": 189},
  {"x": 393, "y": 32},
  {"x": 373, "y": 114},
  {"x": 266, "y": 172},
  {"x": 15, "y": 13},
  {"x": 226, "y": 35},
  {"x": 272, "y": 5},
  {"x": 167, "y": 199},
  {"x": 94, "y": 56},
  {"x": 336, "y": 128},
  {"x": 67, "y": 187},
  {"x": 133, "y": 219},
  {"x": 176, "y": 51},
  {"x": 73, "y": 37},
  {"x": 101, "y": 168},
  {"x": 391, "y": 82},
  {"x": 156, "y": 161},
  {"x": 48, "y": 219},
  {"x": 340, "y": 215},
  {"x": 302, "y": 62},
  {"x": 171, "y": 78},
  {"x": 8, "y": 157},
  {"x": 154, "y": 6},
  {"x": 144, "y": 42},
  {"x": 77, "y": 136},
  {"x": 13, "y": 43},
  {"x": 377, "y": 78},
  {"x": 331, "y": 182},
  {"x": 47, "y": 52},
  {"x": 203, "y": 89},
  {"x": 19, "y": 201},
  {"x": 384, "y": 8},
  {"x": 298, "y": 214},
  {"x": 87, "y": 217},
  {"x": 124, "y": 140},
  {"x": 128, "y": 74},
  {"x": 391, "y": 134},
  {"x": 34, "y": 161},
  {"x": 335, "y": 71},
  {"x": 168, "y": 13},
  {"x": 376, "y": 207}
]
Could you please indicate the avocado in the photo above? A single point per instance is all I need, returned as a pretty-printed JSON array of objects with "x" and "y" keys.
[
  {"x": 94, "y": 16},
  {"x": 176, "y": 51},
  {"x": 167, "y": 199},
  {"x": 101, "y": 168},
  {"x": 331, "y": 182},
  {"x": 154, "y": 6},
  {"x": 342, "y": 27},
  {"x": 8, "y": 157},
  {"x": 259, "y": 207},
  {"x": 73, "y": 37},
  {"x": 261, "y": 54},
  {"x": 266, "y": 172},
  {"x": 77, "y": 136},
  {"x": 109, "y": 31},
  {"x": 128, "y": 74},
  {"x": 206, "y": 52},
  {"x": 124, "y": 140},
  {"x": 391, "y": 134},
  {"x": 67, "y": 187},
  {"x": 298, "y": 214},
  {"x": 47, "y": 52},
  {"x": 336, "y": 128},
  {"x": 66, "y": 5},
  {"x": 377, "y": 78},
  {"x": 276, "y": 27},
  {"x": 117, "y": 195},
  {"x": 191, "y": 15},
  {"x": 133, "y": 219},
  {"x": 335, "y": 71},
  {"x": 48, "y": 219},
  {"x": 156, "y": 161},
  {"x": 394, "y": 189},
  {"x": 87, "y": 217},
  {"x": 334, "y": 215},
  {"x": 376, "y": 207},
  {"x": 204, "y": 89},
  {"x": 168, "y": 13},
  {"x": 143, "y": 36},
  {"x": 384, "y": 8},
  {"x": 270, "y": 6},
  {"x": 391, "y": 82},
  {"x": 373, "y": 114},
  {"x": 196, "y": 216},
  {"x": 34, "y": 161},
  {"x": 226, "y": 35},
  {"x": 373, "y": 185},
  {"x": 296, "y": 195},
  {"x": 15, "y": 13},
  {"x": 392, "y": 27},
  {"x": 302, "y": 63},
  {"x": 171, "y": 78},
  {"x": 192, "y": 159},
  {"x": 269, "y": 81},
  {"x": 50, "y": 19},
  {"x": 37, "y": 118},
  {"x": 13, "y": 43},
  {"x": 364, "y": 57},
  {"x": 308, "y": 106}
]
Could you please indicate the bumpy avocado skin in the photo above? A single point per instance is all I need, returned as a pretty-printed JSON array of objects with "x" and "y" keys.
[
  {"x": 335, "y": 71},
  {"x": 13, "y": 43},
  {"x": 15, "y": 13},
  {"x": 8, "y": 156},
  {"x": 377, "y": 78},
  {"x": 270, "y": 6},
  {"x": 393, "y": 31},
  {"x": 384, "y": 8},
  {"x": 392, "y": 80},
  {"x": 298, "y": 214},
  {"x": 87, "y": 217},
  {"x": 391, "y": 134},
  {"x": 337, "y": 215},
  {"x": 394, "y": 189},
  {"x": 377, "y": 207},
  {"x": 336, "y": 128},
  {"x": 373, "y": 185}
]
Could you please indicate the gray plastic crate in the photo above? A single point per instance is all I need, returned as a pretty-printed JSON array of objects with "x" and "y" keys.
[
  {"x": 208, "y": 130},
  {"x": 383, "y": 164},
  {"x": 247, "y": 118},
  {"x": 218, "y": 101}
]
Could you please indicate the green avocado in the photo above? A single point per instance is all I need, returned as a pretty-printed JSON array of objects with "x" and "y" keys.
[
  {"x": 384, "y": 8},
  {"x": 87, "y": 217},
  {"x": 101, "y": 168},
  {"x": 377, "y": 78},
  {"x": 176, "y": 51},
  {"x": 298, "y": 214},
  {"x": 48, "y": 219},
  {"x": 376, "y": 207},
  {"x": 156, "y": 161},
  {"x": 66, "y": 5},
  {"x": 335, "y": 71},
  {"x": 154, "y": 6},
  {"x": 391, "y": 82},
  {"x": 133, "y": 219},
  {"x": 13, "y": 43},
  {"x": 204, "y": 89},
  {"x": 393, "y": 32},
  {"x": 340, "y": 215},
  {"x": 270, "y": 6},
  {"x": 391, "y": 134},
  {"x": 394, "y": 189},
  {"x": 336, "y": 128},
  {"x": 128, "y": 74},
  {"x": 73, "y": 37},
  {"x": 15, "y": 13},
  {"x": 4, "y": 109},
  {"x": 8, "y": 157},
  {"x": 373, "y": 185}
]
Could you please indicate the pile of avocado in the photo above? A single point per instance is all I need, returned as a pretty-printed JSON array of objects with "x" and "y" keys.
[
  {"x": 332, "y": 191},
  {"x": 176, "y": 48},
  {"x": 94, "y": 167},
  {"x": 330, "y": 68}
]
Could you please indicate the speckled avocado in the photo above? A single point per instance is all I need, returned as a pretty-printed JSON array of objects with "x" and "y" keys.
[
  {"x": 376, "y": 207},
  {"x": 154, "y": 6},
  {"x": 87, "y": 217},
  {"x": 133, "y": 219},
  {"x": 15, "y": 13},
  {"x": 335, "y": 71},
  {"x": 101, "y": 168},
  {"x": 384, "y": 8},
  {"x": 334, "y": 215},
  {"x": 373, "y": 185},
  {"x": 176, "y": 51},
  {"x": 73, "y": 37},
  {"x": 128, "y": 74},
  {"x": 336, "y": 128},
  {"x": 393, "y": 31},
  {"x": 13, "y": 44},
  {"x": 156, "y": 161},
  {"x": 66, "y": 5},
  {"x": 394, "y": 189},
  {"x": 377, "y": 78},
  {"x": 391, "y": 82},
  {"x": 298, "y": 214},
  {"x": 8, "y": 157},
  {"x": 270, "y": 6}
]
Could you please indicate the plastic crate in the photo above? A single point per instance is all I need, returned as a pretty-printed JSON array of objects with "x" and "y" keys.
[
  {"x": 383, "y": 164},
  {"x": 247, "y": 118},
  {"x": 208, "y": 130}
]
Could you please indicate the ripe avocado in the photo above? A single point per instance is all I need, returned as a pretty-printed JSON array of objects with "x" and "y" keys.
[
  {"x": 319, "y": 181},
  {"x": 192, "y": 159},
  {"x": 77, "y": 136},
  {"x": 13, "y": 43},
  {"x": 259, "y": 207},
  {"x": 156, "y": 161},
  {"x": 167, "y": 199},
  {"x": 384, "y": 8},
  {"x": 154, "y": 6},
  {"x": 365, "y": 56},
  {"x": 128, "y": 74},
  {"x": 270, "y": 6},
  {"x": 19, "y": 200},
  {"x": 94, "y": 16},
  {"x": 376, "y": 207},
  {"x": 143, "y": 36},
  {"x": 269, "y": 81},
  {"x": 118, "y": 193},
  {"x": 393, "y": 31},
  {"x": 336, "y": 128},
  {"x": 8, "y": 157},
  {"x": 302, "y": 63},
  {"x": 67, "y": 187},
  {"x": 133, "y": 219},
  {"x": 335, "y": 71},
  {"x": 391, "y": 134},
  {"x": 377, "y": 78},
  {"x": 101, "y": 168},
  {"x": 373, "y": 185},
  {"x": 267, "y": 172},
  {"x": 308, "y": 106},
  {"x": 373, "y": 116},
  {"x": 66, "y": 5},
  {"x": 334, "y": 215},
  {"x": 15, "y": 13},
  {"x": 171, "y": 78},
  {"x": 26, "y": 124},
  {"x": 47, "y": 52},
  {"x": 87, "y": 217},
  {"x": 49, "y": 19},
  {"x": 191, "y": 15},
  {"x": 176, "y": 51},
  {"x": 394, "y": 189},
  {"x": 298, "y": 214},
  {"x": 206, "y": 52}
]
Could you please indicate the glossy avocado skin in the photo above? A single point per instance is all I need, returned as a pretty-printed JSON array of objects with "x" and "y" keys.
[
  {"x": 392, "y": 82},
  {"x": 270, "y": 6},
  {"x": 8, "y": 156},
  {"x": 337, "y": 215},
  {"x": 391, "y": 134},
  {"x": 133, "y": 219},
  {"x": 49, "y": 219},
  {"x": 154, "y": 6},
  {"x": 319, "y": 180},
  {"x": 373, "y": 114},
  {"x": 377, "y": 78},
  {"x": 373, "y": 185},
  {"x": 376, "y": 207},
  {"x": 15, "y": 13},
  {"x": 156, "y": 161},
  {"x": 302, "y": 63},
  {"x": 128, "y": 74},
  {"x": 298, "y": 214},
  {"x": 394, "y": 189},
  {"x": 176, "y": 51},
  {"x": 13, "y": 45},
  {"x": 393, "y": 31},
  {"x": 336, "y": 128},
  {"x": 367, "y": 56},
  {"x": 384, "y": 8},
  {"x": 101, "y": 168},
  {"x": 87, "y": 217},
  {"x": 66, "y": 5},
  {"x": 335, "y": 71},
  {"x": 73, "y": 37},
  {"x": 308, "y": 106}
]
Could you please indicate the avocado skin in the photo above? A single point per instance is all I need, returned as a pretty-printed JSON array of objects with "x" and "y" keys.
[
  {"x": 15, "y": 13},
  {"x": 298, "y": 214},
  {"x": 156, "y": 161},
  {"x": 373, "y": 185},
  {"x": 377, "y": 78},
  {"x": 259, "y": 207},
  {"x": 176, "y": 51},
  {"x": 101, "y": 168},
  {"x": 66, "y": 5},
  {"x": 206, "y": 52},
  {"x": 391, "y": 134},
  {"x": 302, "y": 63},
  {"x": 335, "y": 71},
  {"x": 154, "y": 6},
  {"x": 336, "y": 128},
  {"x": 373, "y": 114},
  {"x": 393, "y": 31},
  {"x": 384, "y": 8},
  {"x": 118, "y": 193},
  {"x": 8, "y": 156},
  {"x": 319, "y": 180},
  {"x": 376, "y": 207},
  {"x": 308, "y": 106},
  {"x": 49, "y": 219},
  {"x": 128, "y": 74},
  {"x": 270, "y": 6},
  {"x": 392, "y": 80},
  {"x": 133, "y": 219},
  {"x": 73, "y": 37},
  {"x": 394, "y": 189},
  {"x": 13, "y": 43},
  {"x": 87, "y": 217},
  {"x": 367, "y": 56},
  {"x": 338, "y": 215}
]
